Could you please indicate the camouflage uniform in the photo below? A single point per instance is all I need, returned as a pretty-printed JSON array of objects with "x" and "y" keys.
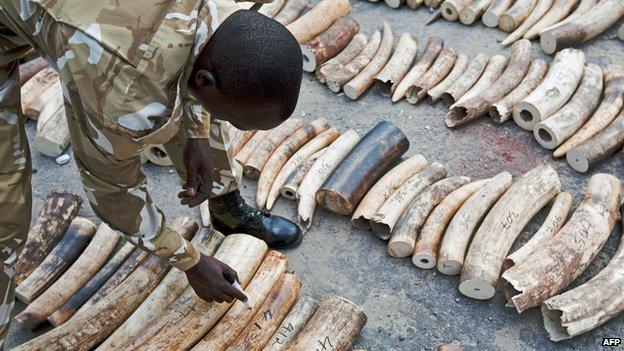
[{"x": 123, "y": 67}]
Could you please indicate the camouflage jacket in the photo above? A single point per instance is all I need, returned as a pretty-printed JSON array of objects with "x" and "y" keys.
[{"x": 129, "y": 60}]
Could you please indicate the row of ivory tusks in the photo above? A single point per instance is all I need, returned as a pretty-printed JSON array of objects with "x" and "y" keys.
[
  {"x": 556, "y": 22},
  {"x": 467, "y": 228},
  {"x": 137, "y": 302},
  {"x": 572, "y": 106}
]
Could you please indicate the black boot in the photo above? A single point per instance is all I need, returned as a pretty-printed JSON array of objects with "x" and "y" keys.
[{"x": 230, "y": 214}]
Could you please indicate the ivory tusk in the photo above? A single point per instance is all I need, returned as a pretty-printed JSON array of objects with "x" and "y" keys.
[
  {"x": 266, "y": 147},
  {"x": 449, "y": 347},
  {"x": 473, "y": 11},
  {"x": 337, "y": 321},
  {"x": 89, "y": 327},
  {"x": 271, "y": 314},
  {"x": 78, "y": 235},
  {"x": 467, "y": 79},
  {"x": 38, "y": 91},
  {"x": 295, "y": 320},
  {"x": 283, "y": 153},
  {"x": 380, "y": 192},
  {"x": 272, "y": 9},
  {"x": 130, "y": 265},
  {"x": 621, "y": 32},
  {"x": 317, "y": 20},
  {"x": 591, "y": 152},
  {"x": 398, "y": 65},
  {"x": 461, "y": 63},
  {"x": 87, "y": 264},
  {"x": 252, "y": 145},
  {"x": 319, "y": 142},
  {"x": 334, "y": 65},
  {"x": 291, "y": 11},
  {"x": 452, "y": 8},
  {"x": 52, "y": 137},
  {"x": 290, "y": 189},
  {"x": 493, "y": 70},
  {"x": 240, "y": 139},
  {"x": 157, "y": 155},
  {"x": 433, "y": 3},
  {"x": 59, "y": 209},
  {"x": 516, "y": 14},
  {"x": 612, "y": 101},
  {"x": 434, "y": 46},
  {"x": 502, "y": 226},
  {"x": 588, "y": 306},
  {"x": 363, "y": 80},
  {"x": 242, "y": 253},
  {"x": 329, "y": 43},
  {"x": 436, "y": 73},
  {"x": 477, "y": 106},
  {"x": 559, "y": 10},
  {"x": 340, "y": 77},
  {"x": 554, "y": 221},
  {"x": 319, "y": 172},
  {"x": 491, "y": 17},
  {"x": 583, "y": 28},
  {"x": 554, "y": 91},
  {"x": 408, "y": 226},
  {"x": 169, "y": 289},
  {"x": 426, "y": 249},
  {"x": 501, "y": 111},
  {"x": 465, "y": 222},
  {"x": 554, "y": 265},
  {"x": 28, "y": 69},
  {"x": 414, "y": 4},
  {"x": 384, "y": 220},
  {"x": 540, "y": 9},
  {"x": 238, "y": 317},
  {"x": 581, "y": 9},
  {"x": 69, "y": 308},
  {"x": 54, "y": 101},
  {"x": 361, "y": 168},
  {"x": 395, "y": 3},
  {"x": 561, "y": 125}
]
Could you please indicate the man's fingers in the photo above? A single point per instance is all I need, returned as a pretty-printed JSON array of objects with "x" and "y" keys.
[
  {"x": 198, "y": 200},
  {"x": 229, "y": 274},
  {"x": 232, "y": 291},
  {"x": 225, "y": 297}
]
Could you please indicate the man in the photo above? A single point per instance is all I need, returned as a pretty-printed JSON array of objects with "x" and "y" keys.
[{"x": 144, "y": 72}]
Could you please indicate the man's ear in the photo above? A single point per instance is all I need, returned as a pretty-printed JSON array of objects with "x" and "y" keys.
[{"x": 205, "y": 79}]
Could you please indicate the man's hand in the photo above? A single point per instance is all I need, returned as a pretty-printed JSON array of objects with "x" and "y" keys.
[
  {"x": 199, "y": 170},
  {"x": 210, "y": 279}
]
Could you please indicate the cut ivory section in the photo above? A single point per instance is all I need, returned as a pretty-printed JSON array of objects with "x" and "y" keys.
[
  {"x": 358, "y": 85},
  {"x": 398, "y": 65},
  {"x": 290, "y": 189},
  {"x": 536, "y": 14},
  {"x": 342, "y": 76},
  {"x": 388, "y": 214},
  {"x": 494, "y": 69},
  {"x": 611, "y": 104},
  {"x": 330, "y": 67},
  {"x": 502, "y": 226},
  {"x": 329, "y": 43},
  {"x": 560, "y": 82},
  {"x": 470, "y": 76},
  {"x": 432, "y": 50},
  {"x": 583, "y": 28},
  {"x": 491, "y": 17},
  {"x": 436, "y": 73},
  {"x": 554, "y": 221},
  {"x": 516, "y": 14},
  {"x": 317, "y": 20},
  {"x": 473, "y": 108},
  {"x": 501, "y": 111},
  {"x": 561, "y": 125},
  {"x": 387, "y": 185},
  {"x": 473, "y": 11},
  {"x": 461, "y": 63},
  {"x": 408, "y": 227},
  {"x": 319, "y": 172},
  {"x": 588, "y": 306},
  {"x": 551, "y": 267},
  {"x": 426, "y": 249},
  {"x": 465, "y": 222}
]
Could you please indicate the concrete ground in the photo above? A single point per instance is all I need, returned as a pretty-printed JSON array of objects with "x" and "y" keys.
[{"x": 408, "y": 308}]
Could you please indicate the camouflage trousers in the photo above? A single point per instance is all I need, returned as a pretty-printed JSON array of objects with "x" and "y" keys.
[{"x": 113, "y": 181}]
